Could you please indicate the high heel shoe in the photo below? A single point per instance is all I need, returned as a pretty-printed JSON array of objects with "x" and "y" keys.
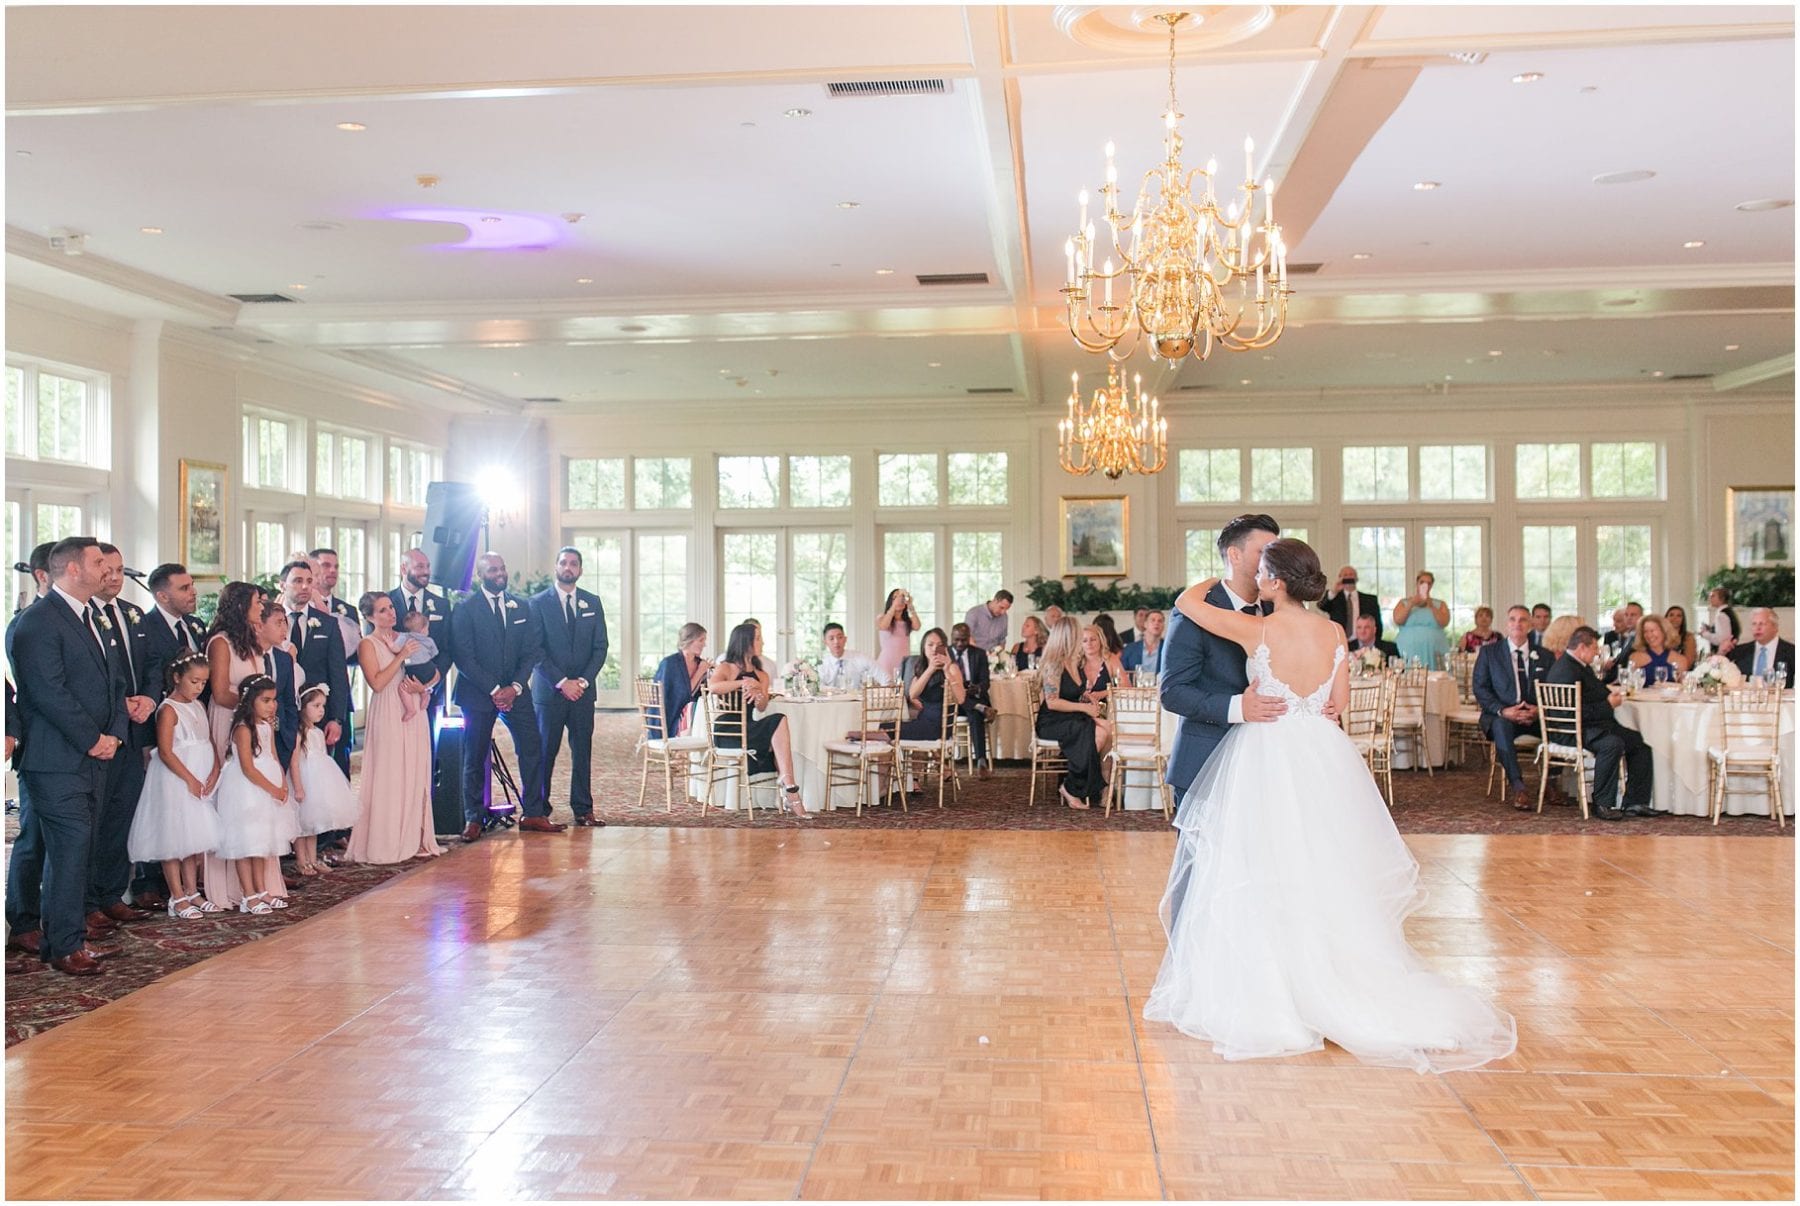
[
  {"x": 1070, "y": 800},
  {"x": 798, "y": 812}
]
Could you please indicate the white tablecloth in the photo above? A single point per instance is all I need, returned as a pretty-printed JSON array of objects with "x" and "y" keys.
[
  {"x": 1009, "y": 734},
  {"x": 1440, "y": 701},
  {"x": 811, "y": 723},
  {"x": 1678, "y": 733}
]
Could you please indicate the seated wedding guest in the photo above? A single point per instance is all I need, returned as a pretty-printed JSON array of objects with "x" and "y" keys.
[
  {"x": 1483, "y": 633},
  {"x": 682, "y": 675},
  {"x": 1365, "y": 637},
  {"x": 1556, "y": 636},
  {"x": 1030, "y": 649},
  {"x": 1505, "y": 684},
  {"x": 896, "y": 624},
  {"x": 1146, "y": 652},
  {"x": 972, "y": 660},
  {"x": 1070, "y": 719},
  {"x": 1680, "y": 639},
  {"x": 1610, "y": 742},
  {"x": 1137, "y": 626},
  {"x": 933, "y": 683},
  {"x": 1052, "y": 614},
  {"x": 1540, "y": 624},
  {"x": 1722, "y": 631},
  {"x": 1344, "y": 603},
  {"x": 1098, "y": 670},
  {"x": 1765, "y": 650},
  {"x": 766, "y": 737},
  {"x": 1652, "y": 654},
  {"x": 1109, "y": 633},
  {"x": 764, "y": 663},
  {"x": 842, "y": 670},
  {"x": 987, "y": 621},
  {"x": 1421, "y": 620},
  {"x": 1623, "y": 636}
]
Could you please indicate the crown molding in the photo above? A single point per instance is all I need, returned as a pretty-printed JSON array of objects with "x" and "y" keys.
[
  {"x": 472, "y": 399},
  {"x": 1576, "y": 39},
  {"x": 1560, "y": 280},
  {"x": 19, "y": 295},
  {"x": 200, "y": 306}
]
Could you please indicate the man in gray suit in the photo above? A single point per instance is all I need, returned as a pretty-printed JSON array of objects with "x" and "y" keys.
[{"x": 1203, "y": 679}]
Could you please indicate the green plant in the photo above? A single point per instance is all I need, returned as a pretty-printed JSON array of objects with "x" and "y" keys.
[
  {"x": 1085, "y": 596},
  {"x": 1759, "y": 586}
]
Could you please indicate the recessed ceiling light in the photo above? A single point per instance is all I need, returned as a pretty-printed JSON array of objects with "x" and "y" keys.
[
  {"x": 297, "y": 286},
  {"x": 934, "y": 364},
  {"x": 748, "y": 125},
  {"x": 1767, "y": 203},
  {"x": 1590, "y": 88},
  {"x": 1732, "y": 347},
  {"x": 1657, "y": 373},
  {"x": 352, "y": 126},
  {"x": 149, "y": 230},
  {"x": 1693, "y": 243},
  {"x": 884, "y": 272},
  {"x": 584, "y": 280},
  {"x": 1359, "y": 255},
  {"x": 1528, "y": 77},
  {"x": 1496, "y": 353},
  {"x": 796, "y": 112},
  {"x": 490, "y": 218},
  {"x": 1620, "y": 302},
  {"x": 633, "y": 328},
  {"x": 321, "y": 226},
  {"x": 849, "y": 204},
  {"x": 1425, "y": 186},
  {"x": 517, "y": 374},
  {"x": 1243, "y": 381},
  {"x": 1634, "y": 176}
]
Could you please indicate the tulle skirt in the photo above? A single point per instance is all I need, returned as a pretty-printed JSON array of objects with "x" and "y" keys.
[
  {"x": 329, "y": 802},
  {"x": 251, "y": 823},
  {"x": 1285, "y": 911},
  {"x": 170, "y": 823}
]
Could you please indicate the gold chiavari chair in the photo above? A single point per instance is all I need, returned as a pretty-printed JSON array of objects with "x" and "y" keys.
[
  {"x": 852, "y": 763},
  {"x": 1136, "y": 714},
  {"x": 1562, "y": 747},
  {"x": 1463, "y": 725},
  {"x": 964, "y": 744},
  {"x": 1409, "y": 715},
  {"x": 1046, "y": 755},
  {"x": 935, "y": 756},
  {"x": 1369, "y": 723},
  {"x": 1749, "y": 746},
  {"x": 659, "y": 745},
  {"x": 728, "y": 719}
]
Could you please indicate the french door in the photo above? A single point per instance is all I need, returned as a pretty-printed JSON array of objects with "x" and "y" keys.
[
  {"x": 794, "y": 580},
  {"x": 1389, "y": 553}
]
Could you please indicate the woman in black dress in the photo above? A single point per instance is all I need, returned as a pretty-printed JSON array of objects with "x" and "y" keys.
[
  {"x": 1068, "y": 717},
  {"x": 1030, "y": 649},
  {"x": 929, "y": 678},
  {"x": 1097, "y": 670},
  {"x": 767, "y": 736}
]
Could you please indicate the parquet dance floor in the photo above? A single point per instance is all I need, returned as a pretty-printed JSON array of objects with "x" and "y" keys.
[{"x": 772, "y": 1014}]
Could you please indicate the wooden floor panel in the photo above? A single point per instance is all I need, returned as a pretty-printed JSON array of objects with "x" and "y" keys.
[{"x": 636, "y": 1013}]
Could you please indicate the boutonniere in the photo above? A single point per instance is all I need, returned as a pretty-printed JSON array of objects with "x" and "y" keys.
[
  {"x": 133, "y": 614},
  {"x": 582, "y": 607},
  {"x": 512, "y": 605},
  {"x": 313, "y": 622},
  {"x": 105, "y": 620}
]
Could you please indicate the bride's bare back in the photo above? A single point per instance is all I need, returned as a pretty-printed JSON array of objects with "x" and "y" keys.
[{"x": 1302, "y": 647}]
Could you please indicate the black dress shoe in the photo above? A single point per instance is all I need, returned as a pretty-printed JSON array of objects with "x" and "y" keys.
[
  {"x": 587, "y": 820},
  {"x": 1640, "y": 811},
  {"x": 472, "y": 831},
  {"x": 1609, "y": 814}
]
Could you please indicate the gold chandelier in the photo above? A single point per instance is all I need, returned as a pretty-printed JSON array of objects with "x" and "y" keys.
[
  {"x": 1191, "y": 273},
  {"x": 1113, "y": 434}
]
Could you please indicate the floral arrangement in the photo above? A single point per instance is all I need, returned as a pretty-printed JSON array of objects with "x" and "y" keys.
[
  {"x": 1000, "y": 659},
  {"x": 802, "y": 677},
  {"x": 1715, "y": 674},
  {"x": 1367, "y": 661}
]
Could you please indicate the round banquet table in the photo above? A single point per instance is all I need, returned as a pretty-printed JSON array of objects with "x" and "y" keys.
[
  {"x": 1440, "y": 701},
  {"x": 1678, "y": 731},
  {"x": 1009, "y": 734},
  {"x": 811, "y": 723}
]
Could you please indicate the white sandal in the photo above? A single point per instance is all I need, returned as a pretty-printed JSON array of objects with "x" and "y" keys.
[
  {"x": 206, "y": 906},
  {"x": 277, "y": 902},
  {"x": 186, "y": 913},
  {"x": 259, "y": 908}
]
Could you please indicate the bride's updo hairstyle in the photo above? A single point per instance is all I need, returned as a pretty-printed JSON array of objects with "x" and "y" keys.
[{"x": 1295, "y": 566}]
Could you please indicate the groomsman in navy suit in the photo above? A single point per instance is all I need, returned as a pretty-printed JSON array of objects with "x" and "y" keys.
[
  {"x": 73, "y": 704},
  {"x": 318, "y": 648},
  {"x": 25, "y": 869},
  {"x": 170, "y": 628},
  {"x": 416, "y": 593},
  {"x": 109, "y": 866},
  {"x": 572, "y": 632},
  {"x": 494, "y": 645},
  {"x": 349, "y": 621}
]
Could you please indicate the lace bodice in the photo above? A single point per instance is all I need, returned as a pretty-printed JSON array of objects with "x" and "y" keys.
[{"x": 1258, "y": 670}]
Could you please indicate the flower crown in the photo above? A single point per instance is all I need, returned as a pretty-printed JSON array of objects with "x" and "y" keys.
[{"x": 315, "y": 689}]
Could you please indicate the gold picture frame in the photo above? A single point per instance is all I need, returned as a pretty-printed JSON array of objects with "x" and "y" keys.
[
  {"x": 1759, "y": 526},
  {"x": 1096, "y": 535},
  {"x": 203, "y": 511}
]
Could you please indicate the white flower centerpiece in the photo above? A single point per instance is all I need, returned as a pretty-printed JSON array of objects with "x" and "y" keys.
[
  {"x": 1367, "y": 661},
  {"x": 801, "y": 679},
  {"x": 1714, "y": 675},
  {"x": 1002, "y": 661}
]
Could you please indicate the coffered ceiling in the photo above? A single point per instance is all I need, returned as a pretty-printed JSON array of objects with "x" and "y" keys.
[{"x": 668, "y": 204}]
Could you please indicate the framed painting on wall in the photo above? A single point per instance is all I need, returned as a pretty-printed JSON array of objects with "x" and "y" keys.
[
  {"x": 1761, "y": 525},
  {"x": 1095, "y": 534},
  {"x": 203, "y": 518}
]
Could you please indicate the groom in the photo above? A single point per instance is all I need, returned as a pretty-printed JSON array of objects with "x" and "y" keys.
[{"x": 1203, "y": 679}]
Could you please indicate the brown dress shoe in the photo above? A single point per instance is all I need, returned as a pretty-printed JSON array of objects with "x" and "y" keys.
[
  {"x": 541, "y": 825},
  {"x": 98, "y": 920},
  {"x": 29, "y": 941},
  {"x": 472, "y": 831},
  {"x": 588, "y": 820},
  {"x": 95, "y": 932},
  {"x": 79, "y": 964},
  {"x": 122, "y": 912},
  {"x": 100, "y": 954},
  {"x": 1522, "y": 800},
  {"x": 151, "y": 902}
]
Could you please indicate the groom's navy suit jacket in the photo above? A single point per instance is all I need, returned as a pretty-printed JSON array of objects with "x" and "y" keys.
[{"x": 1201, "y": 674}]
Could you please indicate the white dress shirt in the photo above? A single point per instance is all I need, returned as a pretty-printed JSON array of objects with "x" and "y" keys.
[
  {"x": 178, "y": 626},
  {"x": 81, "y": 614},
  {"x": 850, "y": 672},
  {"x": 1236, "y": 714}
]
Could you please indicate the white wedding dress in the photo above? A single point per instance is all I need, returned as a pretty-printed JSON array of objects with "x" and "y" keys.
[{"x": 1286, "y": 903}]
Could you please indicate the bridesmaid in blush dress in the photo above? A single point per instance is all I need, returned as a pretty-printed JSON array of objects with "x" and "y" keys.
[
  {"x": 395, "y": 788},
  {"x": 896, "y": 624},
  {"x": 232, "y": 655}
]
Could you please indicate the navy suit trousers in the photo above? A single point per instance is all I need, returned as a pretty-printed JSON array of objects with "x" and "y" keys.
[
  {"x": 478, "y": 741},
  {"x": 67, "y": 807},
  {"x": 555, "y": 713}
]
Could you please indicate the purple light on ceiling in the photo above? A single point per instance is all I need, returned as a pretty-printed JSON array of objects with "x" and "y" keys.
[{"x": 513, "y": 232}]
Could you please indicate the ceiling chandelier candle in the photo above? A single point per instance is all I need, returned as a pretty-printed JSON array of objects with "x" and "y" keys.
[
  {"x": 1191, "y": 275},
  {"x": 1113, "y": 434}
]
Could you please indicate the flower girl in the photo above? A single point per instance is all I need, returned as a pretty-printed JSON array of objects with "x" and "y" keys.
[
  {"x": 321, "y": 795},
  {"x": 176, "y": 821},
  {"x": 256, "y": 823}
]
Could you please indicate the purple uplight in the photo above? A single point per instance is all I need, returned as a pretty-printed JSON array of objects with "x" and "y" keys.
[{"x": 513, "y": 232}]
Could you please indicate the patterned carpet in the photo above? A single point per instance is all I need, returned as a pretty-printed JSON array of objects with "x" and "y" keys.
[{"x": 1447, "y": 802}]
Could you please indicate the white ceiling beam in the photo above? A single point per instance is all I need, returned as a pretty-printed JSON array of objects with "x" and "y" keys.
[{"x": 1755, "y": 374}]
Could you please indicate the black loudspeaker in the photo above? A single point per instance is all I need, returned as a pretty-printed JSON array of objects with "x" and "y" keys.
[
  {"x": 453, "y": 514},
  {"x": 446, "y": 777}
]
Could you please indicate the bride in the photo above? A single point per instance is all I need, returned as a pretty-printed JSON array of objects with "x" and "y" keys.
[{"x": 1290, "y": 885}]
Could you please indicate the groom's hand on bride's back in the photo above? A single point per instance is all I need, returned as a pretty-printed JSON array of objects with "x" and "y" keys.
[{"x": 1261, "y": 707}]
